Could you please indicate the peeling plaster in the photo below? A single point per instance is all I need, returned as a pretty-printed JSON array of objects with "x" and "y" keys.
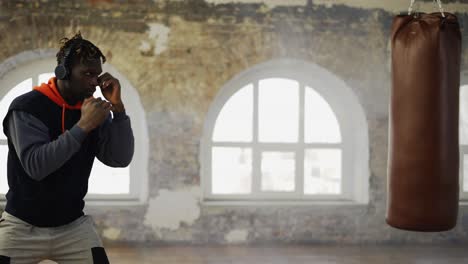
[
  {"x": 158, "y": 34},
  {"x": 111, "y": 233},
  {"x": 145, "y": 46},
  {"x": 236, "y": 236},
  {"x": 171, "y": 208}
]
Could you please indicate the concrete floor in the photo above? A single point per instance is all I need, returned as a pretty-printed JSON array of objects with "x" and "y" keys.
[{"x": 288, "y": 254}]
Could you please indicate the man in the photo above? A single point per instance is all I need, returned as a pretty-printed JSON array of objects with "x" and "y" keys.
[{"x": 54, "y": 133}]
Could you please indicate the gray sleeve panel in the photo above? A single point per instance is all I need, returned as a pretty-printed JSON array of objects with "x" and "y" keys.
[
  {"x": 37, "y": 153},
  {"x": 116, "y": 141}
]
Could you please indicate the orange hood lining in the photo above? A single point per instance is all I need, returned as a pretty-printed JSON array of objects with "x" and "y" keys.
[{"x": 50, "y": 90}]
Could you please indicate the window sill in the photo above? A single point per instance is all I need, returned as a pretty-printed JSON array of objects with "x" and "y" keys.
[
  {"x": 463, "y": 203},
  {"x": 100, "y": 203},
  {"x": 113, "y": 202},
  {"x": 315, "y": 203}
]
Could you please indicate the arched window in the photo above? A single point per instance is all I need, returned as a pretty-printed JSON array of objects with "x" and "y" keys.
[
  {"x": 33, "y": 68},
  {"x": 285, "y": 130}
]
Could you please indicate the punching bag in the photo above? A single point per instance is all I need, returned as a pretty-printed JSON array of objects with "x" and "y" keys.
[{"x": 423, "y": 155}]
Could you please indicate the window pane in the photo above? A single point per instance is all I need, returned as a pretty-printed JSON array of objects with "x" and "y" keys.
[
  {"x": 278, "y": 110},
  {"x": 321, "y": 125},
  {"x": 322, "y": 171},
  {"x": 232, "y": 170},
  {"x": 465, "y": 173},
  {"x": 102, "y": 175},
  {"x": 234, "y": 122},
  {"x": 19, "y": 89},
  {"x": 464, "y": 115},
  {"x": 44, "y": 78},
  {"x": 278, "y": 171},
  {"x": 3, "y": 169}
]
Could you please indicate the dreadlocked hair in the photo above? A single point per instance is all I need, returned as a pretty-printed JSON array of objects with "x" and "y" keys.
[{"x": 83, "y": 50}]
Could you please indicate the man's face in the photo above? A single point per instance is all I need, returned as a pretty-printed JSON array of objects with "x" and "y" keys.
[{"x": 84, "y": 79}]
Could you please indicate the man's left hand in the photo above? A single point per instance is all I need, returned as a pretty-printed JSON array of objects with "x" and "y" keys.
[{"x": 110, "y": 89}]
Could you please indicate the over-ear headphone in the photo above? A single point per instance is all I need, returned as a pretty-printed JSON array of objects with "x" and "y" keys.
[{"x": 62, "y": 71}]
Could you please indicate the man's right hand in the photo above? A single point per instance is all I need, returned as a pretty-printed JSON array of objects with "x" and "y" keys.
[{"x": 93, "y": 112}]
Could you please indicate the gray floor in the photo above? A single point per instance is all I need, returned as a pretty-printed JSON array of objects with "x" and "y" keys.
[{"x": 289, "y": 254}]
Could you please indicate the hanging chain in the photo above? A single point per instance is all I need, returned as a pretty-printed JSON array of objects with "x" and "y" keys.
[{"x": 439, "y": 3}]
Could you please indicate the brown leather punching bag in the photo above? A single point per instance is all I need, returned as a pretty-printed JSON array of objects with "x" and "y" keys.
[{"x": 423, "y": 164}]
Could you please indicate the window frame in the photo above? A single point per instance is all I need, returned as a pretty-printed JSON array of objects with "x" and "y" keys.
[
  {"x": 463, "y": 193},
  {"x": 342, "y": 100},
  {"x": 33, "y": 63},
  {"x": 463, "y": 149}
]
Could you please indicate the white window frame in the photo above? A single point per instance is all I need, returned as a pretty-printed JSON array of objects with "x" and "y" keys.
[
  {"x": 33, "y": 63},
  {"x": 463, "y": 194},
  {"x": 463, "y": 150},
  {"x": 349, "y": 113}
]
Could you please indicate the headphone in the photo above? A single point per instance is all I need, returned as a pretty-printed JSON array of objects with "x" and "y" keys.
[{"x": 62, "y": 71}]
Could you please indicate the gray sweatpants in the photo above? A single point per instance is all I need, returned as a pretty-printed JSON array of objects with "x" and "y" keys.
[{"x": 77, "y": 242}]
